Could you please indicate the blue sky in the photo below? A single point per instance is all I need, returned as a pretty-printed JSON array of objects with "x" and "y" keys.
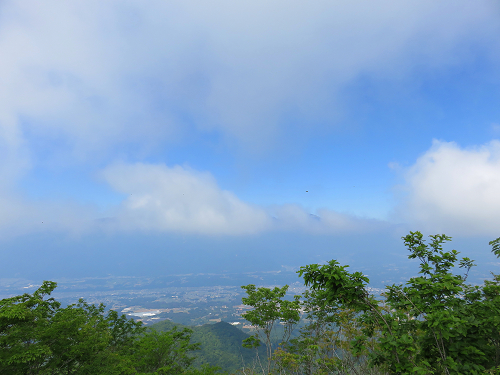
[{"x": 222, "y": 124}]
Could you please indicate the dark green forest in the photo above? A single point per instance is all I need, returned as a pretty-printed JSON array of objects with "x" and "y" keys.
[
  {"x": 435, "y": 323},
  {"x": 220, "y": 345}
]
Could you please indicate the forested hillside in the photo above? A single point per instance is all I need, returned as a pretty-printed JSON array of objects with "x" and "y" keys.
[{"x": 220, "y": 345}]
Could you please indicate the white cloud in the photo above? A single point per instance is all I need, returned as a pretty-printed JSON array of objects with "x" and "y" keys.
[
  {"x": 170, "y": 199},
  {"x": 182, "y": 200},
  {"x": 454, "y": 190},
  {"x": 92, "y": 75}
]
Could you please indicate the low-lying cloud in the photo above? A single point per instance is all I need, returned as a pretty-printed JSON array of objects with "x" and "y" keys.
[{"x": 179, "y": 199}]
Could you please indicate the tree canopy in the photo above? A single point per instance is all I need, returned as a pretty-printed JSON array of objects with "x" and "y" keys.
[
  {"x": 435, "y": 323},
  {"x": 38, "y": 336}
]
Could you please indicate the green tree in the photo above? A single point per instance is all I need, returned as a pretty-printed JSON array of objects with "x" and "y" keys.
[
  {"x": 433, "y": 324},
  {"x": 38, "y": 336},
  {"x": 270, "y": 308},
  {"x": 84, "y": 339},
  {"x": 323, "y": 345},
  {"x": 165, "y": 353},
  {"x": 23, "y": 321}
]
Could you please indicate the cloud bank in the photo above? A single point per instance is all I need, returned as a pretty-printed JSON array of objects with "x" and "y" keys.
[
  {"x": 449, "y": 190},
  {"x": 88, "y": 77},
  {"x": 179, "y": 199}
]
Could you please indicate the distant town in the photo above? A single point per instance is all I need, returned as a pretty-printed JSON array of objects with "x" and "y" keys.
[
  {"x": 189, "y": 299},
  {"x": 194, "y": 299}
]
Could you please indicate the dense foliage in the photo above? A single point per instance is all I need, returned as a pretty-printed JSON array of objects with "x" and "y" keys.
[
  {"x": 435, "y": 323},
  {"x": 38, "y": 336},
  {"x": 220, "y": 345},
  {"x": 270, "y": 307}
]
